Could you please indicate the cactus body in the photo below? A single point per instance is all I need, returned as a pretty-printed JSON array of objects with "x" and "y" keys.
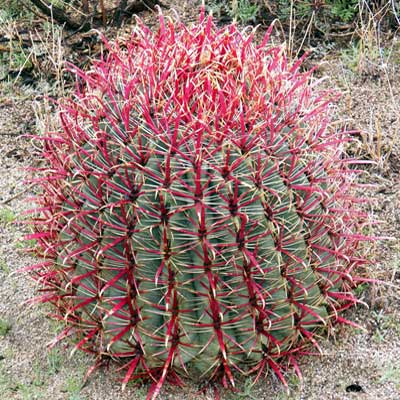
[{"x": 196, "y": 212}]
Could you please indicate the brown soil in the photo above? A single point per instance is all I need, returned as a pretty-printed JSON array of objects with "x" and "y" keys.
[{"x": 355, "y": 364}]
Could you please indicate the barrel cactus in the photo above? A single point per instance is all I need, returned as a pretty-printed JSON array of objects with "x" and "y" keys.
[{"x": 197, "y": 212}]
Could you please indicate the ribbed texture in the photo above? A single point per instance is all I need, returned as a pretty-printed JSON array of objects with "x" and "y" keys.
[{"x": 196, "y": 212}]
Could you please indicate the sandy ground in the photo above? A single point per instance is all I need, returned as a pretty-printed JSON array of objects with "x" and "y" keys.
[{"x": 355, "y": 364}]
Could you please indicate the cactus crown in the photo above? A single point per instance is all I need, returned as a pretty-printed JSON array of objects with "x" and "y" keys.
[{"x": 196, "y": 212}]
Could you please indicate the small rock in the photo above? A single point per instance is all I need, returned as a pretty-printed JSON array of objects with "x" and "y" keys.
[{"x": 354, "y": 388}]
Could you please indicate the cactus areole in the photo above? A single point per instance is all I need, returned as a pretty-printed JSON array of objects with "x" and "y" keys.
[{"x": 196, "y": 215}]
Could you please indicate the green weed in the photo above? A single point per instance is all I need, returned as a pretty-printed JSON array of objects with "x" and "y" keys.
[
  {"x": 244, "y": 10},
  {"x": 5, "y": 327},
  {"x": 141, "y": 389},
  {"x": 4, "y": 266},
  {"x": 330, "y": 10},
  {"x": 25, "y": 244},
  {"x": 12, "y": 9},
  {"x": 7, "y": 216},
  {"x": 392, "y": 374},
  {"x": 385, "y": 324},
  {"x": 54, "y": 361},
  {"x": 14, "y": 57},
  {"x": 344, "y": 10},
  {"x": 73, "y": 387},
  {"x": 7, "y": 384},
  {"x": 246, "y": 391},
  {"x": 39, "y": 375},
  {"x": 29, "y": 392},
  {"x": 360, "y": 289}
]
